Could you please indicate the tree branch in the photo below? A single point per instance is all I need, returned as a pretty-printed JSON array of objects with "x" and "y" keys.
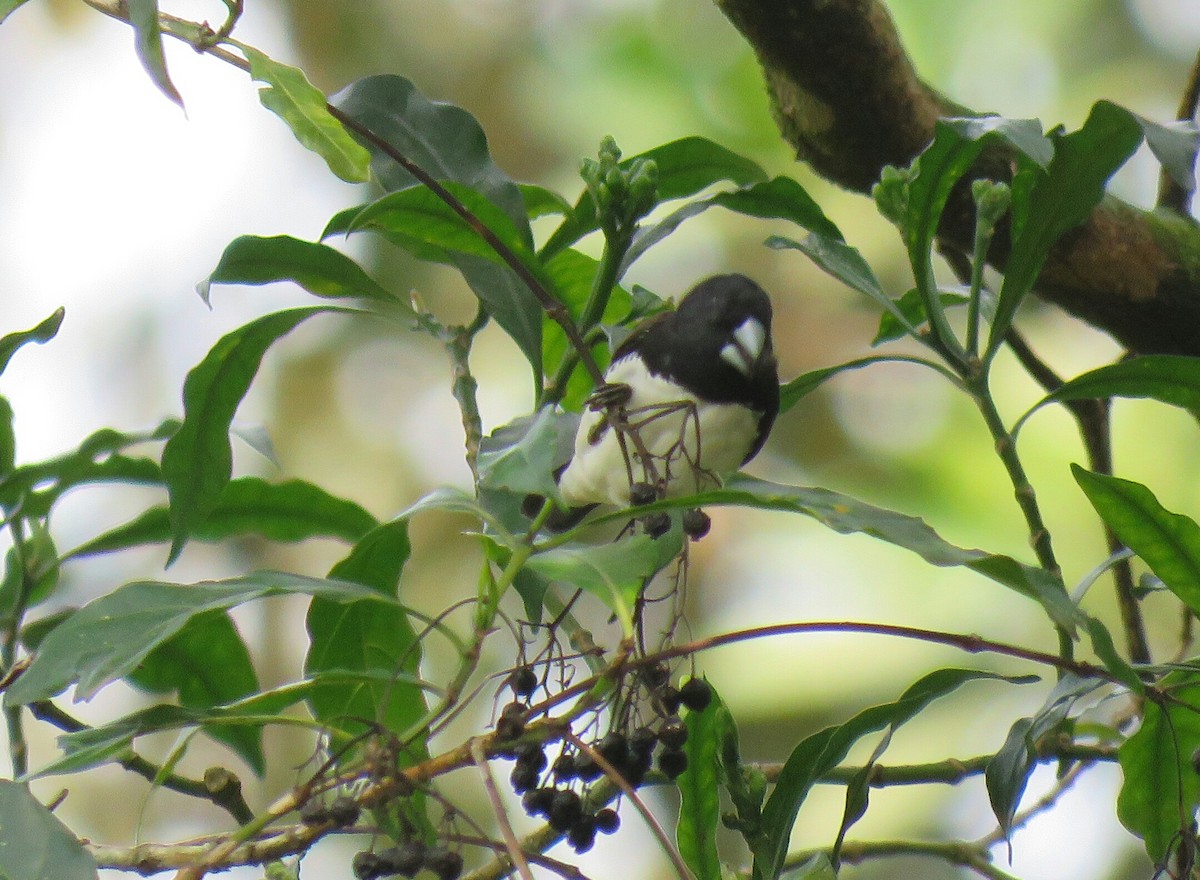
[{"x": 847, "y": 97}]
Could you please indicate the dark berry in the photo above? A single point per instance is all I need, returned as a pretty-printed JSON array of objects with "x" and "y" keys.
[
  {"x": 587, "y": 769},
  {"x": 531, "y": 755},
  {"x": 642, "y": 493},
  {"x": 343, "y": 811},
  {"x": 523, "y": 682},
  {"x": 668, "y": 695},
  {"x": 512, "y": 721},
  {"x": 537, "y": 801},
  {"x": 564, "y": 767},
  {"x": 657, "y": 524},
  {"x": 367, "y": 866},
  {"x": 672, "y": 762},
  {"x": 446, "y": 863},
  {"x": 673, "y": 733},
  {"x": 607, "y": 821},
  {"x": 613, "y": 747},
  {"x": 406, "y": 859},
  {"x": 314, "y": 813},
  {"x": 656, "y": 675},
  {"x": 523, "y": 778},
  {"x": 696, "y": 523},
  {"x": 565, "y": 810},
  {"x": 636, "y": 768},
  {"x": 582, "y": 835},
  {"x": 642, "y": 741},
  {"x": 696, "y": 694}
]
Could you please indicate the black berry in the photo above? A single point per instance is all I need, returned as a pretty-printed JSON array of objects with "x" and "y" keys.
[
  {"x": 670, "y": 699},
  {"x": 512, "y": 721},
  {"x": 673, "y": 733},
  {"x": 607, "y": 821},
  {"x": 642, "y": 741},
  {"x": 446, "y": 863},
  {"x": 523, "y": 778},
  {"x": 642, "y": 493},
  {"x": 672, "y": 762},
  {"x": 343, "y": 811},
  {"x": 696, "y": 523},
  {"x": 565, "y": 810},
  {"x": 657, "y": 524},
  {"x": 656, "y": 675},
  {"x": 523, "y": 682},
  {"x": 696, "y": 694},
  {"x": 587, "y": 769},
  {"x": 531, "y": 755},
  {"x": 367, "y": 866},
  {"x": 564, "y": 767},
  {"x": 537, "y": 801},
  {"x": 612, "y": 747},
  {"x": 406, "y": 859},
  {"x": 582, "y": 835},
  {"x": 314, "y": 813}
]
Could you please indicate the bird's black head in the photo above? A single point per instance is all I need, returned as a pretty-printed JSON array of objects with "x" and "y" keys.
[{"x": 717, "y": 343}]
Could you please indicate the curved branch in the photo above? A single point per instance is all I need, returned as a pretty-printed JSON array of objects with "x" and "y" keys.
[{"x": 847, "y": 97}]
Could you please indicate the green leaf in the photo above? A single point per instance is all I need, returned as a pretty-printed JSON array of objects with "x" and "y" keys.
[
  {"x": 198, "y": 460},
  {"x": 108, "y": 638},
  {"x": 615, "y": 572},
  {"x": 1118, "y": 666},
  {"x": 820, "y": 752},
  {"x": 7, "y": 7},
  {"x": 318, "y": 268},
  {"x": 206, "y": 664},
  {"x": 38, "y": 846},
  {"x": 845, "y": 264},
  {"x": 780, "y": 198},
  {"x": 700, "y": 795},
  {"x": 1161, "y": 791},
  {"x": 143, "y": 17},
  {"x": 290, "y": 511},
  {"x": 542, "y": 202},
  {"x": 1024, "y": 134},
  {"x": 848, "y": 515},
  {"x": 419, "y": 221},
  {"x": 685, "y": 167},
  {"x": 792, "y": 392},
  {"x": 449, "y": 144},
  {"x": 300, "y": 104},
  {"x": 370, "y": 638},
  {"x": 1062, "y": 197},
  {"x": 1167, "y": 378},
  {"x": 444, "y": 140},
  {"x": 521, "y": 456},
  {"x": 1168, "y": 542},
  {"x": 912, "y": 306},
  {"x": 42, "y": 333},
  {"x": 1008, "y": 772},
  {"x": 8, "y": 439}
]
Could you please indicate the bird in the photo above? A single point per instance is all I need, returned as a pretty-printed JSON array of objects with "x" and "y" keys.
[{"x": 701, "y": 386}]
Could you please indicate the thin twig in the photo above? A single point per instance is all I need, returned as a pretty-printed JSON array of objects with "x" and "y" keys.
[{"x": 506, "y": 830}]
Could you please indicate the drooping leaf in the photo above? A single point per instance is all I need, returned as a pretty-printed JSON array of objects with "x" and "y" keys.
[
  {"x": 912, "y": 306},
  {"x": 143, "y": 17},
  {"x": 1008, "y": 771},
  {"x": 793, "y": 391},
  {"x": 780, "y": 198},
  {"x": 1168, "y": 542},
  {"x": 1167, "y": 378},
  {"x": 1024, "y": 134},
  {"x": 845, "y": 264},
  {"x": 206, "y": 664},
  {"x": 700, "y": 794},
  {"x": 1161, "y": 790},
  {"x": 522, "y": 455},
  {"x": 1062, "y": 197},
  {"x": 318, "y": 268},
  {"x": 615, "y": 572},
  {"x": 290, "y": 96},
  {"x": 109, "y": 637},
  {"x": 685, "y": 167},
  {"x": 820, "y": 752},
  {"x": 1117, "y": 666},
  {"x": 542, "y": 202},
  {"x": 197, "y": 461},
  {"x": 43, "y": 332},
  {"x": 289, "y": 511},
  {"x": 365, "y": 636},
  {"x": 849, "y": 515},
  {"x": 448, "y": 143},
  {"x": 1174, "y": 145},
  {"x": 38, "y": 846}
]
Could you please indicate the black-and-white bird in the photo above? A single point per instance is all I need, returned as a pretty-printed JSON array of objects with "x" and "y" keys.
[{"x": 703, "y": 392}]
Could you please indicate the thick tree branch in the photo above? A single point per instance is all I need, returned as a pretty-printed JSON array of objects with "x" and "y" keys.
[{"x": 846, "y": 96}]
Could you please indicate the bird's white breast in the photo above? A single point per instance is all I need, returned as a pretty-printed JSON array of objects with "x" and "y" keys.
[{"x": 698, "y": 444}]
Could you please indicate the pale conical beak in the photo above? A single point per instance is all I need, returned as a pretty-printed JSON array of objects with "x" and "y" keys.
[{"x": 746, "y": 347}]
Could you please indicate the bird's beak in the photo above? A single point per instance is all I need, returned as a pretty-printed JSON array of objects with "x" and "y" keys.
[{"x": 746, "y": 347}]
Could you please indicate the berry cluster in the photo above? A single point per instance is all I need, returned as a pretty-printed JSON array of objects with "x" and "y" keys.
[
  {"x": 406, "y": 860},
  {"x": 556, "y": 791},
  {"x": 340, "y": 812}
]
